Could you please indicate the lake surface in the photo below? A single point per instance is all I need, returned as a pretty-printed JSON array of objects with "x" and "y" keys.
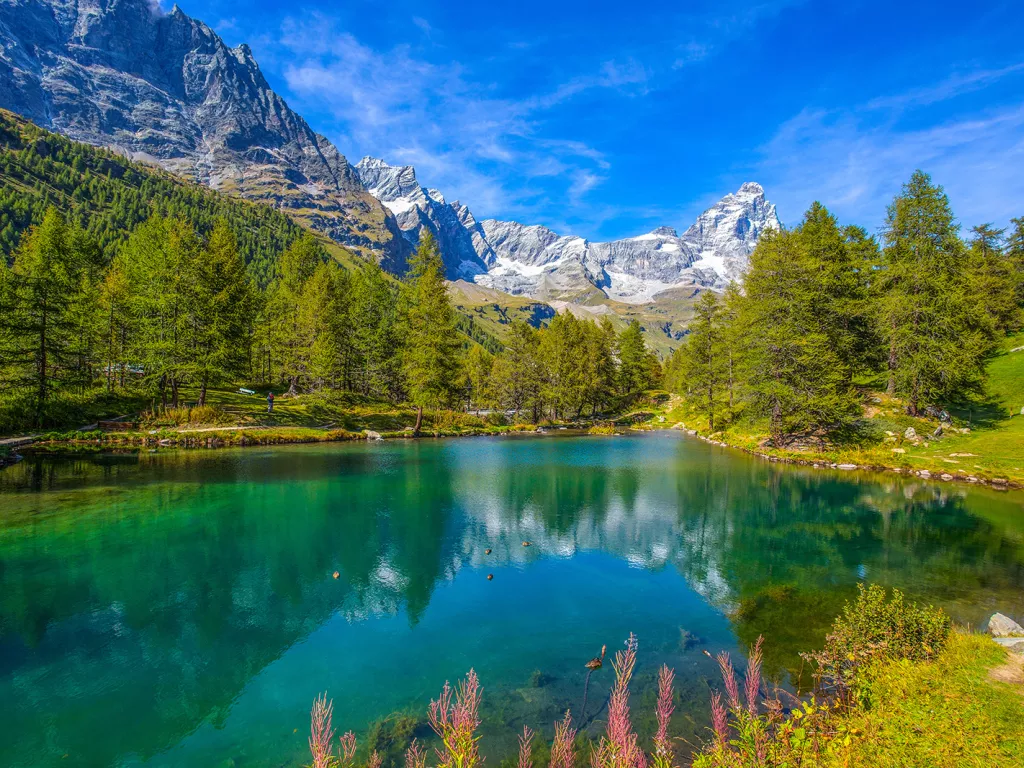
[{"x": 180, "y": 608}]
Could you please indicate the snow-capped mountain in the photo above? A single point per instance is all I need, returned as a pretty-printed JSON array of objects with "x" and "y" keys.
[
  {"x": 418, "y": 209},
  {"x": 535, "y": 261},
  {"x": 164, "y": 88}
]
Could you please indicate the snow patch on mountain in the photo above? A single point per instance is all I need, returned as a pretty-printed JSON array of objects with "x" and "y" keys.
[{"x": 533, "y": 260}]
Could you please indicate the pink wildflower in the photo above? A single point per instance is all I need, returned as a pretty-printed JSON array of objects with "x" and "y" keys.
[
  {"x": 455, "y": 721},
  {"x": 321, "y": 732},
  {"x": 525, "y": 748},
  {"x": 662, "y": 746},
  {"x": 619, "y": 748},
  {"x": 752, "y": 683},
  {"x": 563, "y": 751},
  {"x": 719, "y": 718},
  {"x": 729, "y": 676},
  {"x": 415, "y": 756}
]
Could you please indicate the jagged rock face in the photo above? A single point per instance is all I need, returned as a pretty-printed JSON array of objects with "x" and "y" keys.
[
  {"x": 417, "y": 210},
  {"x": 165, "y": 88},
  {"x": 726, "y": 234},
  {"x": 535, "y": 261}
]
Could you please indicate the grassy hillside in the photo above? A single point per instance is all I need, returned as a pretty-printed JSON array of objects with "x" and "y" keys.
[
  {"x": 985, "y": 439},
  {"x": 664, "y": 319},
  {"x": 108, "y": 196},
  {"x": 493, "y": 311}
]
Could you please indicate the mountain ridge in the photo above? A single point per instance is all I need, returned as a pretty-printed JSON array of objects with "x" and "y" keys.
[
  {"x": 164, "y": 88},
  {"x": 534, "y": 260}
]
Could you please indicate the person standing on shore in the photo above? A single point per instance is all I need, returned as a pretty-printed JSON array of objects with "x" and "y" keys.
[{"x": 270, "y": 402}]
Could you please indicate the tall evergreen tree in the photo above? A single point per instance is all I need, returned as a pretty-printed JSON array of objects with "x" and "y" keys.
[
  {"x": 219, "y": 305},
  {"x": 992, "y": 277},
  {"x": 115, "y": 307},
  {"x": 158, "y": 261},
  {"x": 1015, "y": 253},
  {"x": 376, "y": 340},
  {"x": 42, "y": 288},
  {"x": 839, "y": 303},
  {"x": 705, "y": 361},
  {"x": 431, "y": 351},
  {"x": 937, "y": 335},
  {"x": 638, "y": 367},
  {"x": 478, "y": 367},
  {"x": 517, "y": 373},
  {"x": 793, "y": 375},
  {"x": 290, "y": 348},
  {"x": 563, "y": 355},
  {"x": 601, "y": 372},
  {"x": 323, "y": 323}
]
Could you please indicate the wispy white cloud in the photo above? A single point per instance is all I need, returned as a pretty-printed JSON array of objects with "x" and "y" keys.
[
  {"x": 462, "y": 136},
  {"x": 956, "y": 84},
  {"x": 423, "y": 24},
  {"x": 855, "y": 166}
]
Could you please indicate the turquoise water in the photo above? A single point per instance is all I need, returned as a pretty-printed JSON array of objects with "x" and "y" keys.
[{"x": 180, "y": 608}]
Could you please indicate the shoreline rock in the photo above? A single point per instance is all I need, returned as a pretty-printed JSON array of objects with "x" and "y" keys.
[
  {"x": 1002, "y": 626},
  {"x": 999, "y": 483}
]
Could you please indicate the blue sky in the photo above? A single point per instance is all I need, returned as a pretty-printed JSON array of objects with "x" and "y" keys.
[{"x": 608, "y": 119}]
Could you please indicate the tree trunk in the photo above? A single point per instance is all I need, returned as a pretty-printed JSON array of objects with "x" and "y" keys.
[
  {"x": 293, "y": 386},
  {"x": 731, "y": 382},
  {"x": 891, "y": 385},
  {"x": 110, "y": 351},
  {"x": 711, "y": 409},
  {"x": 202, "y": 391},
  {"x": 120, "y": 355},
  {"x": 174, "y": 392},
  {"x": 419, "y": 421}
]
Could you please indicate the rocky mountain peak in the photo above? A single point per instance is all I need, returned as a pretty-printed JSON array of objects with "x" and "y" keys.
[
  {"x": 534, "y": 260},
  {"x": 164, "y": 88},
  {"x": 665, "y": 232}
]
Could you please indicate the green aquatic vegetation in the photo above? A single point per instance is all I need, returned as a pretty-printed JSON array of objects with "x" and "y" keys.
[{"x": 392, "y": 737}]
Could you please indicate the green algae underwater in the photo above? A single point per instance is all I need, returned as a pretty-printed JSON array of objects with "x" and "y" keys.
[{"x": 181, "y": 608}]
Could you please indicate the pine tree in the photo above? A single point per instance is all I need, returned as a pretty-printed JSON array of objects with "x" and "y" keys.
[
  {"x": 159, "y": 261},
  {"x": 290, "y": 349},
  {"x": 638, "y": 367},
  {"x": 563, "y": 356},
  {"x": 600, "y": 372},
  {"x": 478, "y": 367},
  {"x": 992, "y": 277},
  {"x": 705, "y": 362},
  {"x": 430, "y": 353},
  {"x": 937, "y": 335},
  {"x": 220, "y": 306},
  {"x": 43, "y": 286},
  {"x": 323, "y": 324},
  {"x": 839, "y": 304},
  {"x": 1015, "y": 253},
  {"x": 376, "y": 341},
  {"x": 792, "y": 374},
  {"x": 114, "y": 301},
  {"x": 517, "y": 373}
]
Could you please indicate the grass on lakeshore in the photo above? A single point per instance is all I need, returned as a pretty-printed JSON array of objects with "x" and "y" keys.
[
  {"x": 992, "y": 448},
  {"x": 963, "y": 709}
]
